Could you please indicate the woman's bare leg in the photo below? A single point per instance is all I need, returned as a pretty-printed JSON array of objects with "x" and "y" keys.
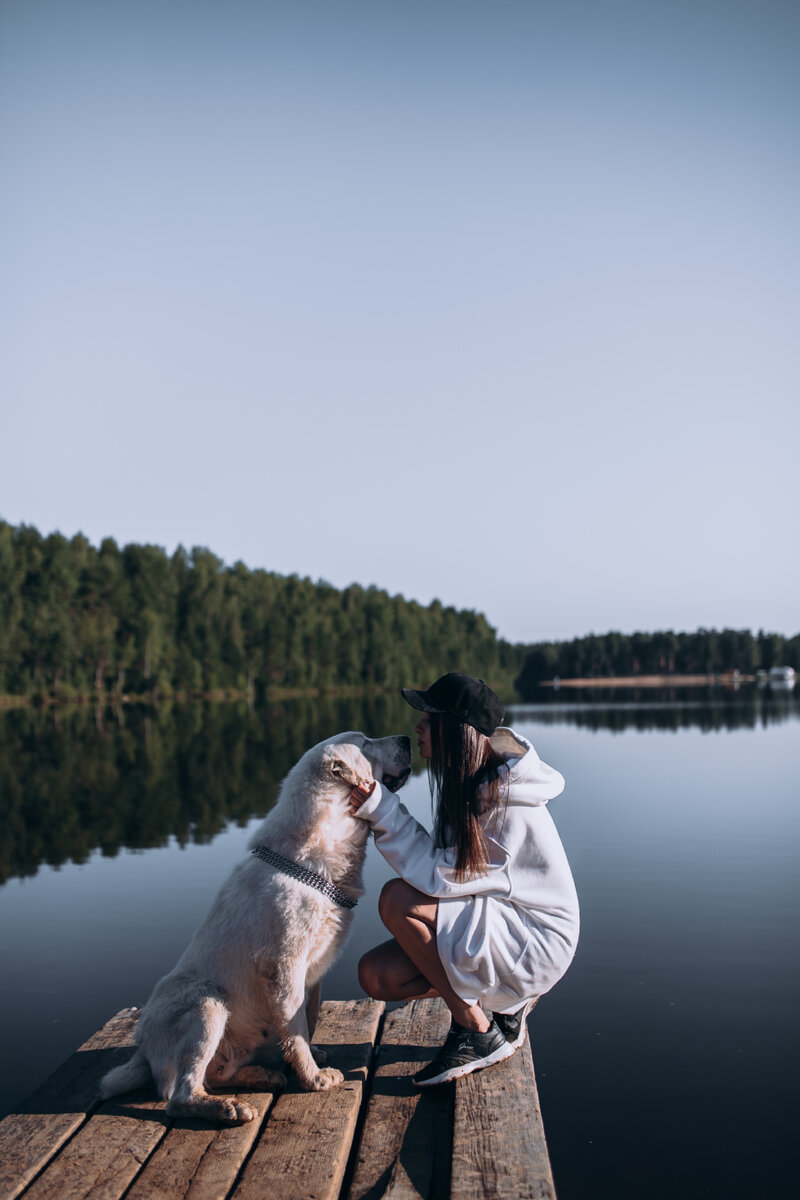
[
  {"x": 387, "y": 973},
  {"x": 411, "y": 916}
]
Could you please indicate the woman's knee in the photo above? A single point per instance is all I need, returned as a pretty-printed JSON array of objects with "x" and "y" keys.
[
  {"x": 367, "y": 977},
  {"x": 396, "y": 901},
  {"x": 400, "y": 900},
  {"x": 371, "y": 976}
]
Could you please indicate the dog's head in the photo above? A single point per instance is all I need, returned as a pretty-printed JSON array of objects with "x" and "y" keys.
[
  {"x": 388, "y": 757},
  {"x": 345, "y": 764}
]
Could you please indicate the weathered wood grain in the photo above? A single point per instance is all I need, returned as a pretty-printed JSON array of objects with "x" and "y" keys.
[
  {"x": 303, "y": 1151},
  {"x": 61, "y": 1146},
  {"x": 499, "y": 1147},
  {"x": 106, "y": 1153},
  {"x": 31, "y": 1136},
  {"x": 404, "y": 1151},
  {"x": 200, "y": 1161}
]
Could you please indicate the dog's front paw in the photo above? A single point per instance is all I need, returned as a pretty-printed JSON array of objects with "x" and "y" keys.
[
  {"x": 211, "y": 1108},
  {"x": 328, "y": 1077},
  {"x": 319, "y": 1055},
  {"x": 235, "y": 1113}
]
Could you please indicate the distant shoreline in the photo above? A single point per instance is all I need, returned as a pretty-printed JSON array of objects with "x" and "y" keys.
[
  {"x": 650, "y": 681},
  {"x": 271, "y": 695},
  {"x": 220, "y": 695}
]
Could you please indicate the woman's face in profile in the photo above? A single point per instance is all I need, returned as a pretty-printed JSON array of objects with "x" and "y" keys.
[{"x": 423, "y": 731}]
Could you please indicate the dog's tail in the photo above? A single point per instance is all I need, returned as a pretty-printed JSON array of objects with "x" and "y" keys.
[{"x": 133, "y": 1074}]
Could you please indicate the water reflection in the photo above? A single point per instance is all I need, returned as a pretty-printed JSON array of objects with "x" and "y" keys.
[
  {"x": 660, "y": 708},
  {"x": 74, "y": 781}
]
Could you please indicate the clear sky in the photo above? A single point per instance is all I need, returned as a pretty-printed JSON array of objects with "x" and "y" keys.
[{"x": 492, "y": 302}]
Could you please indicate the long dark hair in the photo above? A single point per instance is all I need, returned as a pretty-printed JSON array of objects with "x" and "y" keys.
[{"x": 464, "y": 779}]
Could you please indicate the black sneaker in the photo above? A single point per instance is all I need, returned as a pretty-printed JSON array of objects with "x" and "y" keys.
[
  {"x": 464, "y": 1050},
  {"x": 512, "y": 1025}
]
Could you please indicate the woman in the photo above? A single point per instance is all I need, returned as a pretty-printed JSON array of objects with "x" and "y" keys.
[{"x": 484, "y": 913}]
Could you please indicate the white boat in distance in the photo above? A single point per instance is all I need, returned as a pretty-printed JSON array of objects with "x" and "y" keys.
[{"x": 782, "y": 678}]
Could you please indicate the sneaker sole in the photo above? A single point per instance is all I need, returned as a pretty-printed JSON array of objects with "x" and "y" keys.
[{"x": 497, "y": 1056}]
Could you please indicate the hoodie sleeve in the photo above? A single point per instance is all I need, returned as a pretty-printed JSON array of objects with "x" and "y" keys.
[{"x": 410, "y": 851}]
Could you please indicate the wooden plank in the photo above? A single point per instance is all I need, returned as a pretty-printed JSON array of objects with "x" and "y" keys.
[
  {"x": 106, "y": 1153},
  {"x": 404, "y": 1151},
  {"x": 303, "y": 1152},
  {"x": 499, "y": 1147},
  {"x": 198, "y": 1160},
  {"x": 33, "y": 1134}
]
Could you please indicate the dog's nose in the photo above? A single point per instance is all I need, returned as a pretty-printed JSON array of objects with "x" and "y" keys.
[{"x": 405, "y": 742}]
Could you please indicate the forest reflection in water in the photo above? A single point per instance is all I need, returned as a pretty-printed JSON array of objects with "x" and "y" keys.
[
  {"x": 619, "y": 709},
  {"x": 76, "y": 780}
]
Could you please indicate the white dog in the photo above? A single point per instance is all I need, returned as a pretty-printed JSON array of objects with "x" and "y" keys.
[{"x": 252, "y": 971}]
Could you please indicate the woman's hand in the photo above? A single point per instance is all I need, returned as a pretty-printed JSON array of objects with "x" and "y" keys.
[{"x": 358, "y": 795}]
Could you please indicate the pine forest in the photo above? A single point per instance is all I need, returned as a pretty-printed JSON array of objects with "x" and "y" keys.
[{"x": 79, "y": 621}]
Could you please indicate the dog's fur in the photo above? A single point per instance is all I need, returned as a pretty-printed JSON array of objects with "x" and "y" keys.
[{"x": 252, "y": 971}]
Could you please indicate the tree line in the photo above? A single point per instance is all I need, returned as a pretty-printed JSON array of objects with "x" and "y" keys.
[
  {"x": 80, "y": 620},
  {"x": 77, "y": 620},
  {"x": 704, "y": 652}
]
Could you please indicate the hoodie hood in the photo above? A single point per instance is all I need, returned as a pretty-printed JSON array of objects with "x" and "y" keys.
[{"x": 530, "y": 781}]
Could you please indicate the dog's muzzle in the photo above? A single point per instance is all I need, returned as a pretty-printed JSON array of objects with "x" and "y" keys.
[{"x": 395, "y": 782}]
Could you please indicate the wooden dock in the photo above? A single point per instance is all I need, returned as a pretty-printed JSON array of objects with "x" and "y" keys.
[{"x": 374, "y": 1136}]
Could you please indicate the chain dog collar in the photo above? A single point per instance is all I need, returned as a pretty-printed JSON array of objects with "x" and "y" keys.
[{"x": 311, "y": 878}]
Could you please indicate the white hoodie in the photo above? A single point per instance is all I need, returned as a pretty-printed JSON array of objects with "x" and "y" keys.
[{"x": 509, "y": 935}]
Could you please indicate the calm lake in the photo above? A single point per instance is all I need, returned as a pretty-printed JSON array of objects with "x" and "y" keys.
[{"x": 666, "y": 1058}]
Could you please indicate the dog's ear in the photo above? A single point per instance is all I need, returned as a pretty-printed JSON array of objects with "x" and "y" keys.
[{"x": 342, "y": 770}]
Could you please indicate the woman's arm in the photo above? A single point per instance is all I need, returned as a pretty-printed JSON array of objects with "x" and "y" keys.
[{"x": 410, "y": 851}]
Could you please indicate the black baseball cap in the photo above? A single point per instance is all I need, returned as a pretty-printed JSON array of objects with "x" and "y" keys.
[{"x": 470, "y": 700}]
